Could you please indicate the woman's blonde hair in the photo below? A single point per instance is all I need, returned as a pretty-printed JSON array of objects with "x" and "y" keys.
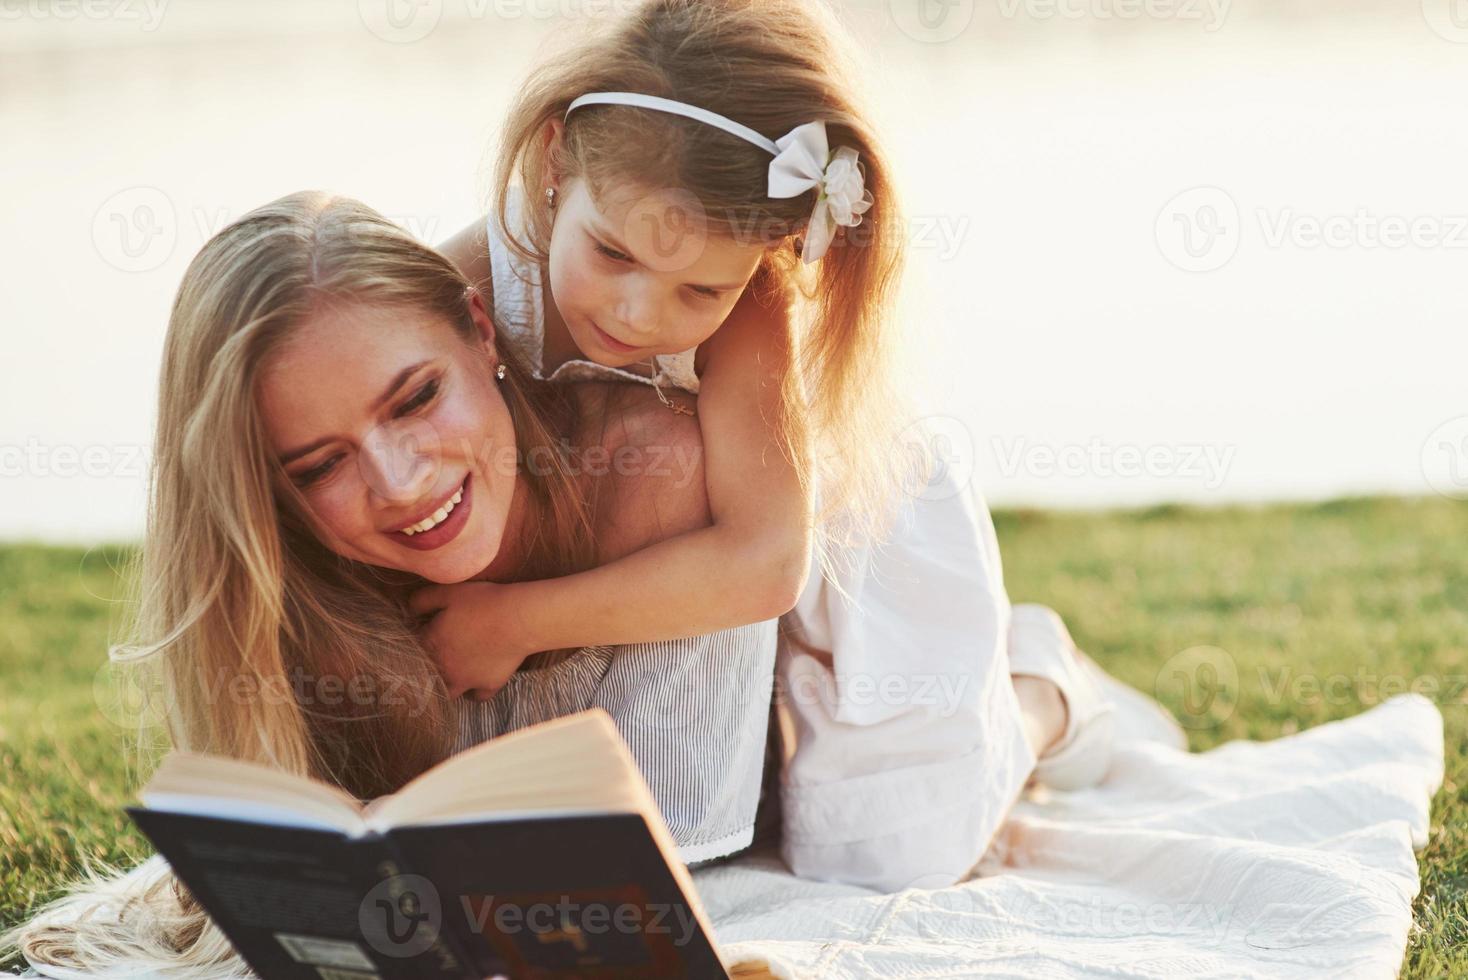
[
  {"x": 771, "y": 65},
  {"x": 233, "y": 590}
]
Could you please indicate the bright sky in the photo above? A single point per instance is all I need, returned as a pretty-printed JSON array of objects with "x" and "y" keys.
[{"x": 1212, "y": 254}]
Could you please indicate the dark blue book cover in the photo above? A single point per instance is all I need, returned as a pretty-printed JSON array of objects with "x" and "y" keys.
[{"x": 455, "y": 876}]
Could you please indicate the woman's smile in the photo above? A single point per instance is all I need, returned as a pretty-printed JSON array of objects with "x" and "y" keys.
[{"x": 440, "y": 525}]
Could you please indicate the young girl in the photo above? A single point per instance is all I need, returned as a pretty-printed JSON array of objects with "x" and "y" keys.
[{"x": 693, "y": 199}]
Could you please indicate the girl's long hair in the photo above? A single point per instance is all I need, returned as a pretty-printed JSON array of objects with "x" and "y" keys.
[
  {"x": 233, "y": 591},
  {"x": 771, "y": 65}
]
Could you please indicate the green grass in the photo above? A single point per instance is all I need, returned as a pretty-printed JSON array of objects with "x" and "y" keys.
[{"x": 1374, "y": 590}]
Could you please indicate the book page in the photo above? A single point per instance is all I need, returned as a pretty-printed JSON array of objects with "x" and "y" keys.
[
  {"x": 209, "y": 785},
  {"x": 575, "y": 763}
]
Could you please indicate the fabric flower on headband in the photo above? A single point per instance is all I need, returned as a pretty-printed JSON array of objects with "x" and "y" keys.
[{"x": 803, "y": 160}]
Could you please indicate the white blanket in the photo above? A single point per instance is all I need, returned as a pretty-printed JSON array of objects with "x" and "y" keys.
[{"x": 1290, "y": 858}]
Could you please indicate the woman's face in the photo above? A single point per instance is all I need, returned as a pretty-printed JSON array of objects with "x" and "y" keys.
[
  {"x": 397, "y": 436},
  {"x": 642, "y": 275}
]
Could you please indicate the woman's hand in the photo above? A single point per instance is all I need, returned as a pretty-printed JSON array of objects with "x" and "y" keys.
[{"x": 474, "y": 635}]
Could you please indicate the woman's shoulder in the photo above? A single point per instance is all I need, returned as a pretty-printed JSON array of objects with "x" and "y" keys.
[{"x": 648, "y": 461}]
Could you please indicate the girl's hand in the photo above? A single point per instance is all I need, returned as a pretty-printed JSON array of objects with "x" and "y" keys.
[{"x": 472, "y": 635}]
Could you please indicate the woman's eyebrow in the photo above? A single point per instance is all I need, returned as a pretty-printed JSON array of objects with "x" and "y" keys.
[
  {"x": 401, "y": 379},
  {"x": 287, "y": 459},
  {"x": 397, "y": 383}
]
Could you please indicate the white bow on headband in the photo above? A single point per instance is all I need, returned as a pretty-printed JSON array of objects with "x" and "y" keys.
[{"x": 803, "y": 160}]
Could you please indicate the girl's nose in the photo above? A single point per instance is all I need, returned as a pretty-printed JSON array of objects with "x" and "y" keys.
[{"x": 637, "y": 310}]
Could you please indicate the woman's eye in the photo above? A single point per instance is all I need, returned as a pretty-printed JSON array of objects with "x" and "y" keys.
[
  {"x": 706, "y": 293},
  {"x": 316, "y": 473},
  {"x": 612, "y": 253},
  {"x": 420, "y": 398}
]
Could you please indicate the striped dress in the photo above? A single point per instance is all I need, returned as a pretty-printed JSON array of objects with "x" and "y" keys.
[{"x": 695, "y": 713}]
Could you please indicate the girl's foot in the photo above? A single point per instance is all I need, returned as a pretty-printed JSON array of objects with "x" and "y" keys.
[
  {"x": 1040, "y": 646},
  {"x": 1101, "y": 712}
]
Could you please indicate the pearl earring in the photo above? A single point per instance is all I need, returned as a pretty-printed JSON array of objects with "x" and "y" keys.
[
  {"x": 550, "y": 198},
  {"x": 499, "y": 373}
]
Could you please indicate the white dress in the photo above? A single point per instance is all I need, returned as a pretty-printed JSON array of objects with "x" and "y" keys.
[{"x": 902, "y": 766}]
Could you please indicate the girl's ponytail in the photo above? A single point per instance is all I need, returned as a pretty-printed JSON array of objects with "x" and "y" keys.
[{"x": 849, "y": 350}]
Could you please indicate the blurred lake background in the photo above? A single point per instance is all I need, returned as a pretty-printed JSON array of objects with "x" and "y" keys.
[{"x": 1162, "y": 250}]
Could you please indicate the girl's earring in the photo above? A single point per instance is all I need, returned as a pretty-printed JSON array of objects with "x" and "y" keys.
[
  {"x": 499, "y": 373},
  {"x": 550, "y": 198}
]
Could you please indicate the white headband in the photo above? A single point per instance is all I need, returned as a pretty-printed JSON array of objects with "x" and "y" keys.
[{"x": 803, "y": 160}]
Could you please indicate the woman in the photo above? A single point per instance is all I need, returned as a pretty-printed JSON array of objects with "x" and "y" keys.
[
  {"x": 337, "y": 425},
  {"x": 293, "y": 454}
]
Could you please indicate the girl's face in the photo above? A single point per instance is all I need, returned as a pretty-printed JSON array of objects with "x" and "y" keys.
[
  {"x": 397, "y": 436},
  {"x": 641, "y": 275}
]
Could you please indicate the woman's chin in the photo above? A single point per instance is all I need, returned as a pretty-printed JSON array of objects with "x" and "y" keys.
[
  {"x": 451, "y": 569},
  {"x": 447, "y": 566}
]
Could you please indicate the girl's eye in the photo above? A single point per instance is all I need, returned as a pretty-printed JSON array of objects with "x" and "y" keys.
[
  {"x": 316, "y": 473},
  {"x": 420, "y": 398},
  {"x": 706, "y": 292},
  {"x": 612, "y": 253}
]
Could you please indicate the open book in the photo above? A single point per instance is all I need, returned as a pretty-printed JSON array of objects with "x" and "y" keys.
[{"x": 537, "y": 854}]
